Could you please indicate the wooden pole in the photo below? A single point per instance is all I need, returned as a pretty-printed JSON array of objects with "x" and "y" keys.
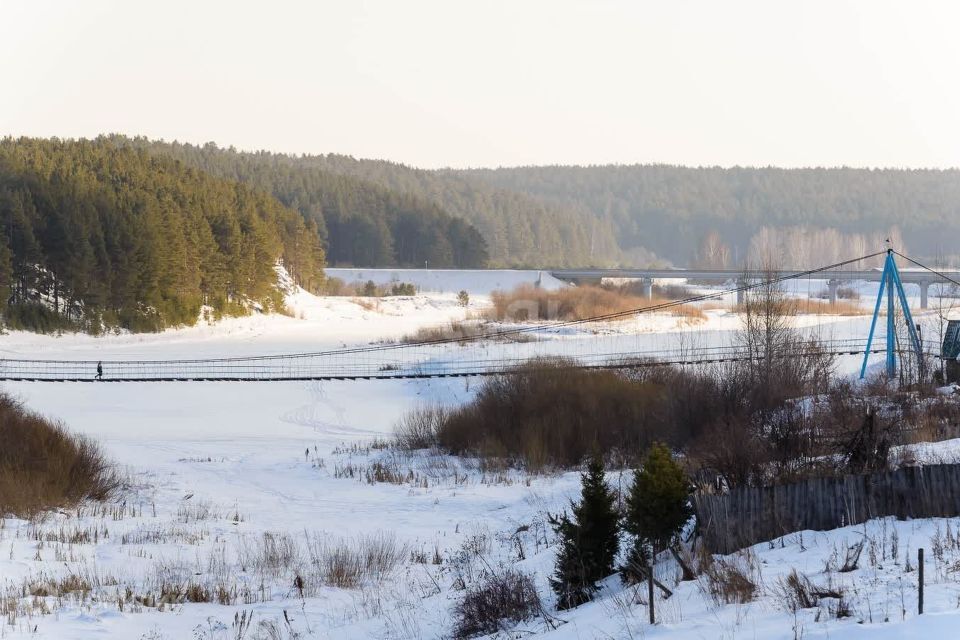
[
  {"x": 920, "y": 580},
  {"x": 650, "y": 593}
]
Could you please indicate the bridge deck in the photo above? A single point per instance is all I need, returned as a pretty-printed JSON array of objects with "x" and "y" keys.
[
  {"x": 871, "y": 275},
  {"x": 279, "y": 371}
]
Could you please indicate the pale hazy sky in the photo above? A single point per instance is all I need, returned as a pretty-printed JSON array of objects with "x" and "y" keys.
[{"x": 489, "y": 83}]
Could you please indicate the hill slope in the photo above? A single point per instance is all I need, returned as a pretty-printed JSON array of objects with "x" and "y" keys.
[
  {"x": 362, "y": 224},
  {"x": 95, "y": 236},
  {"x": 378, "y": 213},
  {"x": 673, "y": 209},
  {"x": 642, "y": 214},
  {"x": 521, "y": 229}
]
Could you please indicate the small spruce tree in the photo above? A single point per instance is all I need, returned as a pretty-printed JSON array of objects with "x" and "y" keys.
[
  {"x": 589, "y": 540},
  {"x": 657, "y": 508}
]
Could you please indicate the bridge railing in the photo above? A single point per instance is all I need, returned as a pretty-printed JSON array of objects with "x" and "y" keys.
[{"x": 425, "y": 362}]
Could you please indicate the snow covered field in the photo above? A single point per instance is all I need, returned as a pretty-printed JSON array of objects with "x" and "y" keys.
[{"x": 239, "y": 488}]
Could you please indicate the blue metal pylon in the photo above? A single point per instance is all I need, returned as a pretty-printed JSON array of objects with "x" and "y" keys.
[{"x": 891, "y": 283}]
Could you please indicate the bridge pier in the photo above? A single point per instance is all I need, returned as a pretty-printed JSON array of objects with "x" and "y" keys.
[
  {"x": 832, "y": 287},
  {"x": 741, "y": 292},
  {"x": 646, "y": 288},
  {"x": 924, "y": 290}
]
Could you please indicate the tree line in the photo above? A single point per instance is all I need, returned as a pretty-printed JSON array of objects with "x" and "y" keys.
[
  {"x": 670, "y": 210},
  {"x": 96, "y": 235},
  {"x": 363, "y": 207},
  {"x": 379, "y": 213},
  {"x": 360, "y": 223},
  {"x": 641, "y": 215}
]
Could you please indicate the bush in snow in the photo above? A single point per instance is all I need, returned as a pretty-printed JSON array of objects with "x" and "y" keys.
[
  {"x": 369, "y": 289},
  {"x": 548, "y": 414},
  {"x": 499, "y": 600},
  {"x": 418, "y": 428},
  {"x": 403, "y": 289},
  {"x": 43, "y": 466}
]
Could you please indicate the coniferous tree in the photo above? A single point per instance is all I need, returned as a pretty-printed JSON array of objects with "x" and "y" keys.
[
  {"x": 658, "y": 506},
  {"x": 359, "y": 222},
  {"x": 98, "y": 235},
  {"x": 588, "y": 540}
]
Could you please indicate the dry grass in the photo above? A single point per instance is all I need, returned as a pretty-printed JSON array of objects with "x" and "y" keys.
[
  {"x": 43, "y": 466},
  {"x": 732, "y": 580},
  {"x": 526, "y": 303},
  {"x": 348, "y": 563},
  {"x": 368, "y": 304},
  {"x": 815, "y": 306},
  {"x": 812, "y": 306},
  {"x": 457, "y": 330}
]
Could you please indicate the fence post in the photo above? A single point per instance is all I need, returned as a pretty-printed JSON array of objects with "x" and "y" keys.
[
  {"x": 920, "y": 576},
  {"x": 650, "y": 593}
]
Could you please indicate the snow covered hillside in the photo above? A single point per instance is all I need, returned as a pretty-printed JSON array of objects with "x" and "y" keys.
[{"x": 244, "y": 499}]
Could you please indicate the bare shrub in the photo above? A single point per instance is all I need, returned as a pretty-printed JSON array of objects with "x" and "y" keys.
[
  {"x": 848, "y": 293},
  {"x": 418, "y": 429},
  {"x": 796, "y": 592},
  {"x": 550, "y": 414},
  {"x": 272, "y": 554},
  {"x": 453, "y": 330},
  {"x": 494, "y": 603},
  {"x": 773, "y": 369},
  {"x": 744, "y": 423},
  {"x": 44, "y": 466},
  {"x": 731, "y": 580},
  {"x": 851, "y": 560}
]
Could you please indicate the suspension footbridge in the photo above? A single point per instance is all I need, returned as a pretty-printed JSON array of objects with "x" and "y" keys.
[{"x": 489, "y": 353}]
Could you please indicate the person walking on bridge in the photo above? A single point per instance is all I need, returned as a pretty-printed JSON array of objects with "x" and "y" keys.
[{"x": 99, "y": 371}]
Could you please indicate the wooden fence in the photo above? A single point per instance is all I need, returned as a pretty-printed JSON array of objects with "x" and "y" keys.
[{"x": 750, "y": 515}]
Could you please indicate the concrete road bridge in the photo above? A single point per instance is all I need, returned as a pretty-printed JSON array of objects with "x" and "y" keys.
[{"x": 742, "y": 277}]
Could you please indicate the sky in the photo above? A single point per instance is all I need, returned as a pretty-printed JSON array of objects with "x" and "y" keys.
[{"x": 493, "y": 83}]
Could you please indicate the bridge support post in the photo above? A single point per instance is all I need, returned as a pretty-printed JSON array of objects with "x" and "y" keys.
[
  {"x": 741, "y": 293},
  {"x": 646, "y": 287},
  {"x": 924, "y": 291},
  {"x": 832, "y": 287},
  {"x": 891, "y": 327}
]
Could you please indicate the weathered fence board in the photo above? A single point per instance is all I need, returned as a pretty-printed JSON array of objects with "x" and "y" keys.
[{"x": 750, "y": 515}]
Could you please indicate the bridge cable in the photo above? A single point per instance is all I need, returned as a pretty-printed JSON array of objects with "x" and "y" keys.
[{"x": 930, "y": 269}]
